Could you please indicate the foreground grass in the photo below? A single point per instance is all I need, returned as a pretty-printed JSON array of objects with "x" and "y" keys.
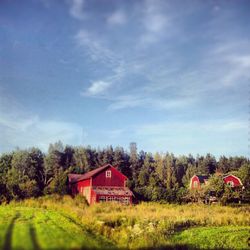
[
  {"x": 36, "y": 228},
  {"x": 228, "y": 237},
  {"x": 146, "y": 225}
]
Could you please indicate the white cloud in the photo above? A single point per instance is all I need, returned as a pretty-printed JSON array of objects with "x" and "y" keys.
[
  {"x": 117, "y": 18},
  {"x": 94, "y": 47},
  {"x": 77, "y": 9},
  {"x": 146, "y": 101},
  {"x": 230, "y": 62},
  {"x": 126, "y": 101},
  {"x": 242, "y": 60},
  {"x": 97, "y": 88},
  {"x": 156, "y": 21},
  {"x": 168, "y": 78},
  {"x": 212, "y": 126},
  {"x": 36, "y": 132},
  {"x": 215, "y": 136},
  {"x": 22, "y": 129}
]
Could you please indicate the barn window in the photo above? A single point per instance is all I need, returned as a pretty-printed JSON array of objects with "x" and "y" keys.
[
  {"x": 195, "y": 184},
  {"x": 108, "y": 174},
  {"x": 102, "y": 199},
  {"x": 126, "y": 200},
  {"x": 231, "y": 183}
]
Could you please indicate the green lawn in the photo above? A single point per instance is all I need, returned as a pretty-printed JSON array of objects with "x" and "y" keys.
[
  {"x": 225, "y": 237},
  {"x": 32, "y": 228}
]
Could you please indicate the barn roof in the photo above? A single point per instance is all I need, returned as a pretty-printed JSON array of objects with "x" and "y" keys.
[
  {"x": 123, "y": 191},
  {"x": 231, "y": 175},
  {"x": 88, "y": 175},
  {"x": 74, "y": 177},
  {"x": 202, "y": 178}
]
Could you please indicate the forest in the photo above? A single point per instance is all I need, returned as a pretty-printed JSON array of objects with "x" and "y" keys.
[{"x": 152, "y": 177}]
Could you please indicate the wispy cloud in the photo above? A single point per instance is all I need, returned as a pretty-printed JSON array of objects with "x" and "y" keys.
[
  {"x": 147, "y": 102},
  {"x": 172, "y": 77},
  {"x": 204, "y": 125},
  {"x": 97, "y": 88},
  {"x": 194, "y": 137},
  {"x": 21, "y": 129},
  {"x": 230, "y": 62},
  {"x": 156, "y": 22},
  {"x": 94, "y": 47},
  {"x": 77, "y": 9},
  {"x": 117, "y": 18}
]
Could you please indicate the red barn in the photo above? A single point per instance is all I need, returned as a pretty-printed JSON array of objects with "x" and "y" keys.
[
  {"x": 103, "y": 184},
  {"x": 197, "y": 181},
  {"x": 232, "y": 180}
]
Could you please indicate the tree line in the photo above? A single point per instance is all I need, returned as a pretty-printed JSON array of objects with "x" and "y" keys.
[{"x": 159, "y": 177}]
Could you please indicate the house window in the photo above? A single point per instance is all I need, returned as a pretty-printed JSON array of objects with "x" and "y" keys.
[
  {"x": 195, "y": 184},
  {"x": 126, "y": 200},
  {"x": 108, "y": 174},
  {"x": 231, "y": 183},
  {"x": 102, "y": 199}
]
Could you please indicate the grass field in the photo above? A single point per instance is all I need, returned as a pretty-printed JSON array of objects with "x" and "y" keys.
[
  {"x": 34, "y": 228},
  {"x": 66, "y": 223}
]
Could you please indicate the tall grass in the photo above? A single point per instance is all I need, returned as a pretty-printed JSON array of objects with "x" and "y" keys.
[{"x": 143, "y": 225}]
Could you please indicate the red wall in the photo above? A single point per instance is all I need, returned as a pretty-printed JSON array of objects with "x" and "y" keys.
[
  {"x": 117, "y": 179},
  {"x": 232, "y": 178},
  {"x": 195, "y": 178},
  {"x": 76, "y": 187},
  {"x": 92, "y": 197}
]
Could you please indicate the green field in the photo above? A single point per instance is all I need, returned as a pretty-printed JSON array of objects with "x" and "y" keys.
[
  {"x": 32, "y": 228},
  {"x": 66, "y": 223}
]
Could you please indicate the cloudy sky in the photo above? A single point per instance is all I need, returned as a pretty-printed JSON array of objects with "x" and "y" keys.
[{"x": 169, "y": 75}]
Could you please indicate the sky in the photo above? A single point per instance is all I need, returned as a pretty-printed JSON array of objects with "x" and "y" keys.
[{"x": 169, "y": 75}]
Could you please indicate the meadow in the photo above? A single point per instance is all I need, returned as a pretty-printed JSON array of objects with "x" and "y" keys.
[{"x": 60, "y": 222}]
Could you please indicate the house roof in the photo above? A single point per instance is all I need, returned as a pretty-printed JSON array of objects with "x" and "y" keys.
[
  {"x": 81, "y": 177},
  {"x": 119, "y": 191},
  {"x": 74, "y": 177},
  {"x": 202, "y": 178},
  {"x": 227, "y": 175}
]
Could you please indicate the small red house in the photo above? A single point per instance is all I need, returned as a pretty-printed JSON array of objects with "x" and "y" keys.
[
  {"x": 197, "y": 181},
  {"x": 232, "y": 180},
  {"x": 103, "y": 184}
]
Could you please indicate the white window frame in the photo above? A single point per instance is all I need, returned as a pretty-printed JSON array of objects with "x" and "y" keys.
[
  {"x": 108, "y": 174},
  {"x": 230, "y": 183}
]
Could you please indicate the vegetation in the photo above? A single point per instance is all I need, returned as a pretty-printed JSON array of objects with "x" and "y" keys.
[
  {"x": 35, "y": 228},
  {"x": 159, "y": 177},
  {"x": 147, "y": 225}
]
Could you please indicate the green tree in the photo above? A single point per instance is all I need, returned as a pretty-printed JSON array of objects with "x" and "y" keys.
[
  {"x": 216, "y": 186},
  {"x": 80, "y": 160},
  {"x": 171, "y": 180},
  {"x": 5, "y": 165}
]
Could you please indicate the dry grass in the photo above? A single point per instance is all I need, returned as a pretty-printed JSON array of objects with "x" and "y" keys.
[{"x": 146, "y": 224}]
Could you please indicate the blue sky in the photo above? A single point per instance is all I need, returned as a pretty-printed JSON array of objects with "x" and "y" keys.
[{"x": 169, "y": 75}]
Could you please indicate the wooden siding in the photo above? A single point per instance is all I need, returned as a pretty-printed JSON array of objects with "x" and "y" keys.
[{"x": 116, "y": 180}]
